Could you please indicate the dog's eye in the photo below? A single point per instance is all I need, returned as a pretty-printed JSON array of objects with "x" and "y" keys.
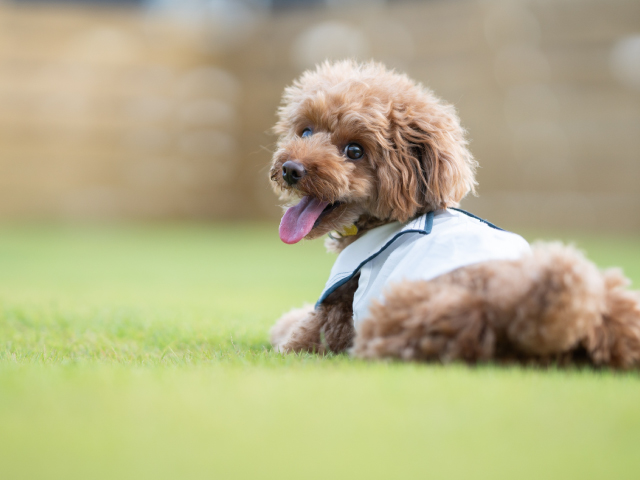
[
  {"x": 354, "y": 151},
  {"x": 306, "y": 133}
]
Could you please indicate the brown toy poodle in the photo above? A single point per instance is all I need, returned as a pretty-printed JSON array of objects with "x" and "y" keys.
[{"x": 380, "y": 163}]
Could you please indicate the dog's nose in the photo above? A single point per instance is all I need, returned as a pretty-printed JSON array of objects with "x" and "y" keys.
[{"x": 292, "y": 172}]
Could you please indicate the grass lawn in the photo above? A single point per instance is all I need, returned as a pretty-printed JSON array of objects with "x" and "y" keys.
[{"x": 141, "y": 352}]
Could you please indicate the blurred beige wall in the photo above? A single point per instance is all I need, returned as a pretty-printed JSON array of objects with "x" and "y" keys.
[
  {"x": 112, "y": 114},
  {"x": 130, "y": 114},
  {"x": 556, "y": 129}
]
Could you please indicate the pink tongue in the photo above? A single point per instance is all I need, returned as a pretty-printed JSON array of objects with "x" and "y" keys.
[{"x": 298, "y": 221}]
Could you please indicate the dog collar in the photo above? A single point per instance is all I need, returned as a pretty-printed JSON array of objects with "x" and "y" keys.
[{"x": 348, "y": 231}]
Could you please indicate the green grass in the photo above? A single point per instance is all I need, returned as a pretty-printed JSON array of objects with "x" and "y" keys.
[{"x": 141, "y": 352}]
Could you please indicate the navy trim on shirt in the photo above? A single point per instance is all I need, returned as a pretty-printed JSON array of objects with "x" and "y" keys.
[
  {"x": 426, "y": 230},
  {"x": 486, "y": 222}
]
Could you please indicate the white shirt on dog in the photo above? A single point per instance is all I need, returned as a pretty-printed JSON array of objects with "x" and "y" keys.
[{"x": 422, "y": 249}]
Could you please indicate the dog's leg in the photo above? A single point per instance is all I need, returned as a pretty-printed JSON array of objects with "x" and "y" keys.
[
  {"x": 427, "y": 321},
  {"x": 338, "y": 331},
  {"x": 327, "y": 328}
]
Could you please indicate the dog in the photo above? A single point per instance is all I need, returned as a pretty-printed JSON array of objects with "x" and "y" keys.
[{"x": 380, "y": 163}]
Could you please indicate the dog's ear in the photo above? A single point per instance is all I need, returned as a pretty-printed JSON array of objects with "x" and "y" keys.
[{"x": 427, "y": 165}]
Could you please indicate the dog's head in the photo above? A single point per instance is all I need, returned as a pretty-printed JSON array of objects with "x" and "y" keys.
[{"x": 359, "y": 141}]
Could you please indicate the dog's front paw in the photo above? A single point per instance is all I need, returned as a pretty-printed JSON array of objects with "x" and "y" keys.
[{"x": 284, "y": 327}]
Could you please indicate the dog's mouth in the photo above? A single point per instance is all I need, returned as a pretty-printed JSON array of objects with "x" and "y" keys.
[
  {"x": 300, "y": 219},
  {"x": 328, "y": 209}
]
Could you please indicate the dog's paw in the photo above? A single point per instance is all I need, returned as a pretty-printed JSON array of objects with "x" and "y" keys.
[{"x": 281, "y": 331}]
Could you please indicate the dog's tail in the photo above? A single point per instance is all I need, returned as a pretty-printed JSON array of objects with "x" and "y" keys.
[{"x": 617, "y": 341}]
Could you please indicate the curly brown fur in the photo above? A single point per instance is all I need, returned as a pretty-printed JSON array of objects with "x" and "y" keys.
[
  {"x": 549, "y": 307},
  {"x": 329, "y": 328},
  {"x": 552, "y": 306},
  {"x": 617, "y": 341}
]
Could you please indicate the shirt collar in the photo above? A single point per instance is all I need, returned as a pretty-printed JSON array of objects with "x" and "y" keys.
[{"x": 369, "y": 246}]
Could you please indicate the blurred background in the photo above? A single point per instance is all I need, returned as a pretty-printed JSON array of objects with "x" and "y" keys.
[{"x": 161, "y": 109}]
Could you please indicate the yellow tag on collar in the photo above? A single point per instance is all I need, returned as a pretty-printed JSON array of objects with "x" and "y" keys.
[{"x": 349, "y": 231}]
